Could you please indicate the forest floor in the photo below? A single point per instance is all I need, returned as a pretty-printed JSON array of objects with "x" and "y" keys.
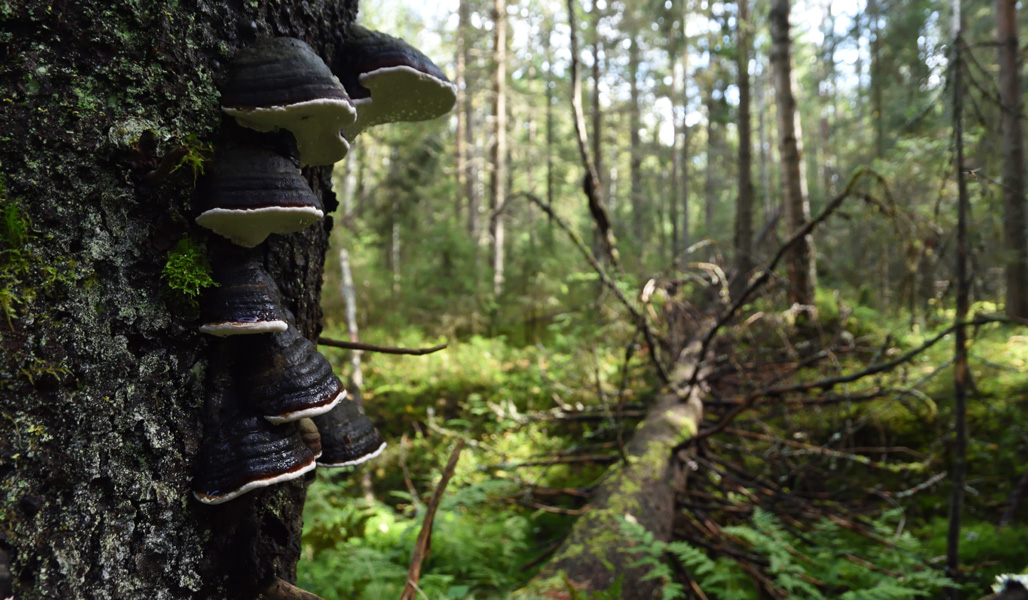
[{"x": 825, "y": 484}]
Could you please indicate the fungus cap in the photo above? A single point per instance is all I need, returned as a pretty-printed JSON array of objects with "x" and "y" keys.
[
  {"x": 253, "y": 192},
  {"x": 281, "y": 83},
  {"x": 348, "y": 437},
  {"x": 245, "y": 452},
  {"x": 390, "y": 81},
  {"x": 285, "y": 378},
  {"x": 246, "y": 299}
]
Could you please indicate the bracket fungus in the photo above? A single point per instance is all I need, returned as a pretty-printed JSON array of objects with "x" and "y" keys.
[
  {"x": 389, "y": 81},
  {"x": 285, "y": 378},
  {"x": 253, "y": 192},
  {"x": 246, "y": 300},
  {"x": 348, "y": 437},
  {"x": 280, "y": 83},
  {"x": 245, "y": 452}
]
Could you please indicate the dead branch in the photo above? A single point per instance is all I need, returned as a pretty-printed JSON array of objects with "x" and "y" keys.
[
  {"x": 324, "y": 341},
  {"x": 592, "y": 183},
  {"x": 825, "y": 384},
  {"x": 765, "y": 275},
  {"x": 424, "y": 543},
  {"x": 596, "y": 459}
]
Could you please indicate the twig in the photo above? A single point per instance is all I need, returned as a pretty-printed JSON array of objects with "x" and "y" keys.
[
  {"x": 424, "y": 543},
  {"x": 324, "y": 341}
]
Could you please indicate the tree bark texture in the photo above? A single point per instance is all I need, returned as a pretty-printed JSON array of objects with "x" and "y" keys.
[
  {"x": 1015, "y": 221},
  {"x": 595, "y": 553},
  {"x": 800, "y": 262},
  {"x": 103, "y": 373}
]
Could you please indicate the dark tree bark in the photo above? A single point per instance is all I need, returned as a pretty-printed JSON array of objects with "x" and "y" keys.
[
  {"x": 103, "y": 374},
  {"x": 1014, "y": 205}
]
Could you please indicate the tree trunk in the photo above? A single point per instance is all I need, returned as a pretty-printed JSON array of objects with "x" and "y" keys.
[
  {"x": 686, "y": 136},
  {"x": 961, "y": 373},
  {"x": 634, "y": 143},
  {"x": 595, "y": 554},
  {"x": 466, "y": 109},
  {"x": 103, "y": 372},
  {"x": 744, "y": 202},
  {"x": 1015, "y": 226},
  {"x": 499, "y": 147},
  {"x": 462, "y": 197},
  {"x": 597, "y": 113},
  {"x": 800, "y": 260}
]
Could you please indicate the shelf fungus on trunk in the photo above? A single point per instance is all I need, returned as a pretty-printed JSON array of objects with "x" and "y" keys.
[
  {"x": 252, "y": 192},
  {"x": 246, "y": 299},
  {"x": 244, "y": 452},
  {"x": 285, "y": 378},
  {"x": 280, "y": 83},
  {"x": 389, "y": 81},
  {"x": 348, "y": 437}
]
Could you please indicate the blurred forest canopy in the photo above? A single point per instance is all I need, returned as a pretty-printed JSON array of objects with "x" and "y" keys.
[
  {"x": 846, "y": 476},
  {"x": 870, "y": 86}
]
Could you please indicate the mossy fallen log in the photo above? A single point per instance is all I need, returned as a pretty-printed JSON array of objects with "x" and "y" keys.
[{"x": 595, "y": 555}]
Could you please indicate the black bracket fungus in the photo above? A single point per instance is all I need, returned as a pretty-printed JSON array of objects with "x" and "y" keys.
[
  {"x": 246, "y": 300},
  {"x": 285, "y": 378},
  {"x": 275, "y": 408},
  {"x": 253, "y": 192},
  {"x": 244, "y": 452},
  {"x": 348, "y": 437},
  {"x": 390, "y": 81},
  {"x": 280, "y": 83}
]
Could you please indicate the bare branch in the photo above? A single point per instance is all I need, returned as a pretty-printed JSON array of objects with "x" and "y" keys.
[
  {"x": 324, "y": 341},
  {"x": 424, "y": 543}
]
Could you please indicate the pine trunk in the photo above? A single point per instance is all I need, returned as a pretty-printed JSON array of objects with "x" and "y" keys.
[{"x": 103, "y": 372}]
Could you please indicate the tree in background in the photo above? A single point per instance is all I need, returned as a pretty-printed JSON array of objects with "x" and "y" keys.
[
  {"x": 1015, "y": 225},
  {"x": 800, "y": 265},
  {"x": 744, "y": 202}
]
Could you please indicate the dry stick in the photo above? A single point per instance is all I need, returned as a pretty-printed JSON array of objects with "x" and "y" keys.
[
  {"x": 324, "y": 341},
  {"x": 640, "y": 320},
  {"x": 592, "y": 181},
  {"x": 850, "y": 456},
  {"x": 423, "y": 545}
]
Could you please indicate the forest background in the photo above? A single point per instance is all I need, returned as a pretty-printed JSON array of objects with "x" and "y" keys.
[{"x": 452, "y": 231}]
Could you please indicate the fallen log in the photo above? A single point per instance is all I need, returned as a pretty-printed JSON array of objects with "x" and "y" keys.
[{"x": 595, "y": 555}]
